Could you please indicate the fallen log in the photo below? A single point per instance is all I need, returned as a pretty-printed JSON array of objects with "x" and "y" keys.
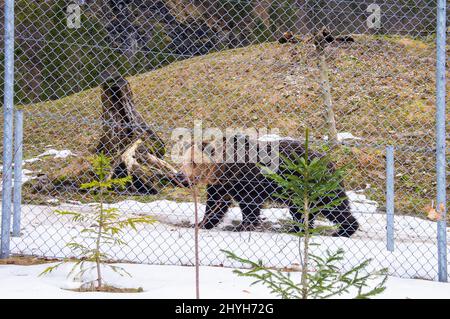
[{"x": 146, "y": 167}]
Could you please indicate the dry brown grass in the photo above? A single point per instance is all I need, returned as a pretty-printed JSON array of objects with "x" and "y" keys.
[
  {"x": 383, "y": 91},
  {"x": 26, "y": 260},
  {"x": 108, "y": 288}
]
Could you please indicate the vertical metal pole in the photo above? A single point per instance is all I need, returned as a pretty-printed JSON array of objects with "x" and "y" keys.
[
  {"x": 440, "y": 139},
  {"x": 8, "y": 128},
  {"x": 18, "y": 142},
  {"x": 390, "y": 198}
]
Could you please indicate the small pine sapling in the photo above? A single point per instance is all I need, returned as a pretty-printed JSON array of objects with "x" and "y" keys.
[
  {"x": 105, "y": 226},
  {"x": 309, "y": 181}
]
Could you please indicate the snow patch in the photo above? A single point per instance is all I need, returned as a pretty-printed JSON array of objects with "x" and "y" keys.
[
  {"x": 170, "y": 240},
  {"x": 343, "y": 136},
  {"x": 359, "y": 203},
  {"x": 274, "y": 138},
  {"x": 27, "y": 174},
  {"x": 183, "y": 212},
  {"x": 57, "y": 154},
  {"x": 177, "y": 282}
]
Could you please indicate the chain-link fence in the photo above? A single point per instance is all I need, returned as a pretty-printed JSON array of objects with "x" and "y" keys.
[{"x": 137, "y": 79}]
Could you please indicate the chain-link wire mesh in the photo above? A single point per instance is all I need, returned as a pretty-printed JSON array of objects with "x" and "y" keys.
[{"x": 98, "y": 76}]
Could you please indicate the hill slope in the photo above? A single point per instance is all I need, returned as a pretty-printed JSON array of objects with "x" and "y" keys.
[{"x": 383, "y": 91}]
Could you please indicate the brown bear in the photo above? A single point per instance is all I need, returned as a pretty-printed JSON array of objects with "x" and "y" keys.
[{"x": 231, "y": 173}]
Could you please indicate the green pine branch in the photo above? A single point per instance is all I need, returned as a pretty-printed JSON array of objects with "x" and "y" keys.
[
  {"x": 105, "y": 226},
  {"x": 308, "y": 183}
]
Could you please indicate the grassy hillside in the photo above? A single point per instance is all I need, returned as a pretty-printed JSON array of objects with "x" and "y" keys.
[{"x": 383, "y": 91}]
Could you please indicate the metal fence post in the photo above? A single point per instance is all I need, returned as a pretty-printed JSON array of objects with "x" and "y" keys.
[
  {"x": 8, "y": 129},
  {"x": 390, "y": 198},
  {"x": 440, "y": 139},
  {"x": 18, "y": 151}
]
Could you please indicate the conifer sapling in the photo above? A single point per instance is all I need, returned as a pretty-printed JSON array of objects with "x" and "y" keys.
[
  {"x": 310, "y": 180},
  {"x": 104, "y": 227}
]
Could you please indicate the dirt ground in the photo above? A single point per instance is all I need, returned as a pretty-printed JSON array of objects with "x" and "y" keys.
[{"x": 26, "y": 260}]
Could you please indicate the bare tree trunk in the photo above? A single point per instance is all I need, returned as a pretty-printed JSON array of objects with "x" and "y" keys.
[
  {"x": 328, "y": 101},
  {"x": 98, "y": 241},
  {"x": 304, "y": 279},
  {"x": 194, "y": 189},
  {"x": 122, "y": 127},
  {"x": 196, "y": 243},
  {"x": 122, "y": 123}
]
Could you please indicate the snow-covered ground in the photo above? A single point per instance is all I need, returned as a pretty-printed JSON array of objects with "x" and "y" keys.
[
  {"x": 175, "y": 282},
  {"x": 171, "y": 240}
]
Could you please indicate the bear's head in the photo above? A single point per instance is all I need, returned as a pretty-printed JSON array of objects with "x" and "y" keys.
[
  {"x": 209, "y": 162},
  {"x": 200, "y": 163}
]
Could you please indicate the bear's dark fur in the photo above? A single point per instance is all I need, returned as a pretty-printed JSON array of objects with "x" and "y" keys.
[{"x": 245, "y": 183}]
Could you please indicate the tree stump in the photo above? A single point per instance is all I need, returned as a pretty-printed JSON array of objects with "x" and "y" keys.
[
  {"x": 122, "y": 123},
  {"x": 133, "y": 147},
  {"x": 122, "y": 127}
]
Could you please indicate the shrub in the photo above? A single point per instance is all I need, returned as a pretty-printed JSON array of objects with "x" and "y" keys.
[
  {"x": 104, "y": 226},
  {"x": 309, "y": 181}
]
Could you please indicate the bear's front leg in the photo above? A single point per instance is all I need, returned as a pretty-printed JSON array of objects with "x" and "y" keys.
[
  {"x": 343, "y": 218},
  {"x": 217, "y": 204},
  {"x": 250, "y": 216},
  {"x": 348, "y": 224}
]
